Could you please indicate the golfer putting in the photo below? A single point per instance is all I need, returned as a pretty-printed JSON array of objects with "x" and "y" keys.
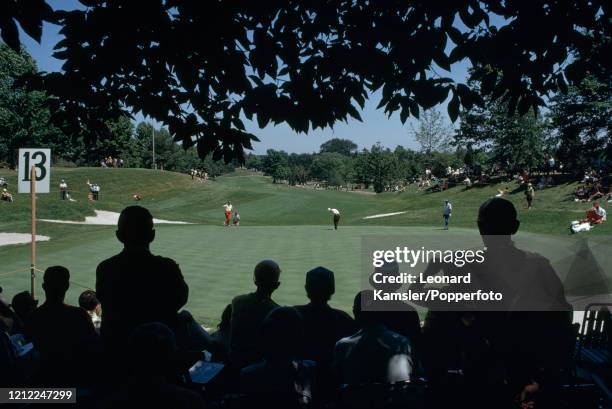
[{"x": 336, "y": 215}]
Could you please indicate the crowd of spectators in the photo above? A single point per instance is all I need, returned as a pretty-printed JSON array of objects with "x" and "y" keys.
[{"x": 131, "y": 342}]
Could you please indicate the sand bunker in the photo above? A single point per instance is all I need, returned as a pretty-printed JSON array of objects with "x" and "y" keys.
[
  {"x": 377, "y": 216},
  {"x": 7, "y": 239},
  {"x": 104, "y": 218}
]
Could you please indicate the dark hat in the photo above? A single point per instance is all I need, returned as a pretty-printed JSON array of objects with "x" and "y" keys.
[{"x": 320, "y": 280}]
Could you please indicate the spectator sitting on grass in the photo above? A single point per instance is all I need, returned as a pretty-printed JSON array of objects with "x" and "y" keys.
[
  {"x": 6, "y": 196},
  {"x": 89, "y": 302},
  {"x": 249, "y": 311},
  {"x": 596, "y": 214}
]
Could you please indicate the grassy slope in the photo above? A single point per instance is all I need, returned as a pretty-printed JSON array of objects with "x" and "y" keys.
[
  {"x": 217, "y": 261},
  {"x": 175, "y": 196}
]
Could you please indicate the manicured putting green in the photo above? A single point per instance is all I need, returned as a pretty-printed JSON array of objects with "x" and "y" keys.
[{"x": 217, "y": 261}]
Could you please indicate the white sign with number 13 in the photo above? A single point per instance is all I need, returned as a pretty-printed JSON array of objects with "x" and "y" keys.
[{"x": 41, "y": 160}]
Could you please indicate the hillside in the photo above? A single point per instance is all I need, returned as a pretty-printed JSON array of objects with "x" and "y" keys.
[
  {"x": 176, "y": 197},
  {"x": 288, "y": 224}
]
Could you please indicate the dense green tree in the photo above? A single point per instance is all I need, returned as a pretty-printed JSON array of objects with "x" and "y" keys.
[
  {"x": 309, "y": 64},
  {"x": 514, "y": 142},
  {"x": 254, "y": 162},
  {"x": 276, "y": 164},
  {"x": 381, "y": 167},
  {"x": 582, "y": 122},
  {"x": 24, "y": 117},
  {"x": 329, "y": 167},
  {"x": 342, "y": 146}
]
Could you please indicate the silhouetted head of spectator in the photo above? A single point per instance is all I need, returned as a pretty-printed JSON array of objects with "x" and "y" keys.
[
  {"x": 320, "y": 284},
  {"x": 266, "y": 276},
  {"x": 497, "y": 217},
  {"x": 89, "y": 301},
  {"x": 135, "y": 227},
  {"x": 226, "y": 319},
  {"x": 56, "y": 282},
  {"x": 23, "y": 304},
  {"x": 363, "y": 309},
  {"x": 152, "y": 349},
  {"x": 281, "y": 333},
  {"x": 386, "y": 270}
]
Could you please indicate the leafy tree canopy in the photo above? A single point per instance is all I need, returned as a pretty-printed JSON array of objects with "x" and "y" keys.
[
  {"x": 344, "y": 147},
  {"x": 200, "y": 67}
]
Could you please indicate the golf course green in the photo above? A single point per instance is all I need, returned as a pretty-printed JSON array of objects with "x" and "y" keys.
[{"x": 288, "y": 224}]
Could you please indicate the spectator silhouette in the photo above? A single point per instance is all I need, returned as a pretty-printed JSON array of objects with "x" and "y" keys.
[
  {"x": 514, "y": 342},
  {"x": 121, "y": 278},
  {"x": 23, "y": 305},
  {"x": 249, "y": 311},
  {"x": 59, "y": 332},
  {"x": 280, "y": 379},
  {"x": 538, "y": 326},
  {"x": 153, "y": 374},
  {"x": 89, "y": 302},
  {"x": 221, "y": 337},
  {"x": 374, "y": 354},
  {"x": 397, "y": 316},
  {"x": 323, "y": 325}
]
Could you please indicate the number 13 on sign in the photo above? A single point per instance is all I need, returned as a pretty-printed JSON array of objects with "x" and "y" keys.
[{"x": 41, "y": 160}]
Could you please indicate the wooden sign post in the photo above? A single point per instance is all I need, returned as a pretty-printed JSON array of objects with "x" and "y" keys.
[
  {"x": 33, "y": 264},
  {"x": 34, "y": 175}
]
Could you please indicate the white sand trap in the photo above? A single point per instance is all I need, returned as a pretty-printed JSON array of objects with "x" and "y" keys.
[
  {"x": 104, "y": 218},
  {"x": 377, "y": 216},
  {"x": 7, "y": 239}
]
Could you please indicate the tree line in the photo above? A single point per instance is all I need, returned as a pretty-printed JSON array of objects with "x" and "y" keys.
[
  {"x": 24, "y": 121},
  {"x": 575, "y": 130}
]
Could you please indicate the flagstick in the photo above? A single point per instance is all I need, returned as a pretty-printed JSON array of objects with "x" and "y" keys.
[{"x": 33, "y": 265}]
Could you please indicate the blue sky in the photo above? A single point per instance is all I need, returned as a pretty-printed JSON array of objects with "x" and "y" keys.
[{"x": 376, "y": 126}]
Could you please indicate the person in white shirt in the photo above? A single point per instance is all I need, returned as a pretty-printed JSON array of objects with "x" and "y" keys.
[
  {"x": 446, "y": 213},
  {"x": 336, "y": 215},
  {"x": 63, "y": 187}
]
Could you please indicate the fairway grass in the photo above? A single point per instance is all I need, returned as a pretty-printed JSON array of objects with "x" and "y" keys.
[
  {"x": 288, "y": 224},
  {"x": 217, "y": 261}
]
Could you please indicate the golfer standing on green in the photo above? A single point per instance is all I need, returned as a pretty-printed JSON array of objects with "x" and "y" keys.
[{"x": 336, "y": 214}]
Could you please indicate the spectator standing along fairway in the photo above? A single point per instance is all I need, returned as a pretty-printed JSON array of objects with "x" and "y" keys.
[
  {"x": 529, "y": 195},
  {"x": 63, "y": 187},
  {"x": 447, "y": 212}
]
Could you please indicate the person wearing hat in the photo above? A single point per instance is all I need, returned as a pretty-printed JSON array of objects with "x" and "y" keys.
[
  {"x": 446, "y": 213},
  {"x": 63, "y": 187},
  {"x": 6, "y": 196},
  {"x": 323, "y": 325},
  {"x": 336, "y": 214},
  {"x": 529, "y": 195}
]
